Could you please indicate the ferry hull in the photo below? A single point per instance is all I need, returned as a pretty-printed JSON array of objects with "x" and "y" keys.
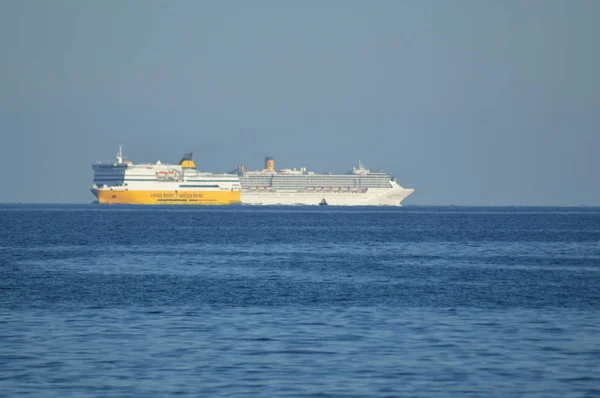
[{"x": 182, "y": 197}]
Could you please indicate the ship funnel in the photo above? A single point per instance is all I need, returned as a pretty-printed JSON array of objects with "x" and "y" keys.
[
  {"x": 186, "y": 162},
  {"x": 270, "y": 164}
]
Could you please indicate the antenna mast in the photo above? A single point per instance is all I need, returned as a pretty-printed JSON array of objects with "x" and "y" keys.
[{"x": 120, "y": 155}]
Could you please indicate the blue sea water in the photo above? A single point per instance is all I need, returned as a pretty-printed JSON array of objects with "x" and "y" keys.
[{"x": 122, "y": 301}]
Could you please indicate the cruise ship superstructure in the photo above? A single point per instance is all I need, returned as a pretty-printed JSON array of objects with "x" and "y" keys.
[
  {"x": 122, "y": 182},
  {"x": 358, "y": 187}
]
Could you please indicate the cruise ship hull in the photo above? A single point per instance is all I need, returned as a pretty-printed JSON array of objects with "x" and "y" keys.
[
  {"x": 153, "y": 197},
  {"x": 373, "y": 197}
]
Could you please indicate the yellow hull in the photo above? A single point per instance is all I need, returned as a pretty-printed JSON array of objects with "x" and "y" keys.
[{"x": 107, "y": 196}]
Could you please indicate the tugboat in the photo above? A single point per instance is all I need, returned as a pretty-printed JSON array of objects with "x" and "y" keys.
[{"x": 323, "y": 202}]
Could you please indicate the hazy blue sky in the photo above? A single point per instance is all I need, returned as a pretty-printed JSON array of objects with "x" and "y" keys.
[{"x": 469, "y": 102}]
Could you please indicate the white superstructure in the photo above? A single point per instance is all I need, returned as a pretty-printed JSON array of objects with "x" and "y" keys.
[{"x": 358, "y": 187}]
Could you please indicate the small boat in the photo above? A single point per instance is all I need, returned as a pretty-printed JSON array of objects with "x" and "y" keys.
[{"x": 323, "y": 203}]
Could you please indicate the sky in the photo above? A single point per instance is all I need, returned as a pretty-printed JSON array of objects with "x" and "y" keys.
[{"x": 468, "y": 102}]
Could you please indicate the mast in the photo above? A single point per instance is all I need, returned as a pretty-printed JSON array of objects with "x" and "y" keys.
[{"x": 120, "y": 155}]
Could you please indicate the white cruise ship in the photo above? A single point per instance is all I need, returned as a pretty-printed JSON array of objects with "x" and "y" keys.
[{"x": 358, "y": 187}]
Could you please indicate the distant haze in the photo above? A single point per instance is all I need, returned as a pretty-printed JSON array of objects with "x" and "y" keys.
[{"x": 468, "y": 102}]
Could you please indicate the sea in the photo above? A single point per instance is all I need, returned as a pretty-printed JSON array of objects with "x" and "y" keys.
[{"x": 244, "y": 301}]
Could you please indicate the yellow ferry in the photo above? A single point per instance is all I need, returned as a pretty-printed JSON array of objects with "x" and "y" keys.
[{"x": 122, "y": 182}]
